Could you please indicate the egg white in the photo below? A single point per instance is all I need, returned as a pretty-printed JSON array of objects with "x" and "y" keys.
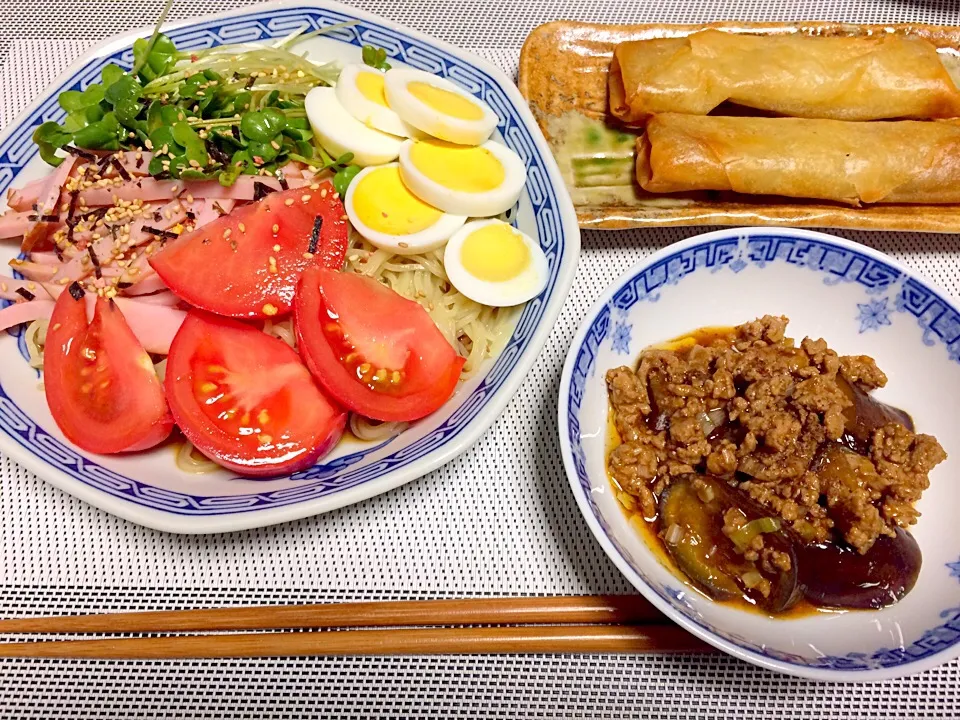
[
  {"x": 340, "y": 132},
  {"x": 472, "y": 204},
  {"x": 525, "y": 286},
  {"x": 365, "y": 110},
  {"x": 429, "y": 238},
  {"x": 431, "y": 120}
]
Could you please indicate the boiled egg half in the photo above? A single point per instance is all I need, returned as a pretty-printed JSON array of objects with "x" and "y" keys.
[
  {"x": 387, "y": 214},
  {"x": 476, "y": 181},
  {"x": 340, "y": 132},
  {"x": 438, "y": 107},
  {"x": 360, "y": 90},
  {"x": 495, "y": 264}
]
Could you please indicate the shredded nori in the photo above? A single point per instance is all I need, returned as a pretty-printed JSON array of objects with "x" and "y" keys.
[
  {"x": 76, "y": 292},
  {"x": 261, "y": 190},
  {"x": 24, "y": 293},
  {"x": 191, "y": 215},
  {"x": 249, "y": 84},
  {"x": 216, "y": 153},
  {"x": 283, "y": 181},
  {"x": 157, "y": 232},
  {"x": 124, "y": 285},
  {"x": 89, "y": 157},
  {"x": 315, "y": 234},
  {"x": 220, "y": 210},
  {"x": 96, "y": 262},
  {"x": 121, "y": 170},
  {"x": 235, "y": 131}
]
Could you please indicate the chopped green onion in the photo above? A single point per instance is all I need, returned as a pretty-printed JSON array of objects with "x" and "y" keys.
[{"x": 743, "y": 537}]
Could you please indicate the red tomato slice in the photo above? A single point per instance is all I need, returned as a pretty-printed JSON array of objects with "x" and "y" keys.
[
  {"x": 246, "y": 264},
  {"x": 100, "y": 384},
  {"x": 245, "y": 399},
  {"x": 379, "y": 354}
]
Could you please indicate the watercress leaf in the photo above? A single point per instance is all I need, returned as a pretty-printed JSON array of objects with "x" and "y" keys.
[
  {"x": 154, "y": 116},
  {"x": 92, "y": 114},
  {"x": 128, "y": 112},
  {"x": 71, "y": 100},
  {"x": 110, "y": 74},
  {"x": 171, "y": 114},
  {"x": 195, "y": 174},
  {"x": 101, "y": 135},
  {"x": 126, "y": 88},
  {"x": 156, "y": 165},
  {"x": 264, "y": 125},
  {"x": 305, "y": 149},
  {"x": 49, "y": 137},
  {"x": 266, "y": 152},
  {"x": 375, "y": 57},
  {"x": 163, "y": 135},
  {"x": 342, "y": 180},
  {"x": 187, "y": 137}
]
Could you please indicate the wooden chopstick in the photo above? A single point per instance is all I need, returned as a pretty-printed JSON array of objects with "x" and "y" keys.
[
  {"x": 579, "y": 639},
  {"x": 588, "y": 609}
]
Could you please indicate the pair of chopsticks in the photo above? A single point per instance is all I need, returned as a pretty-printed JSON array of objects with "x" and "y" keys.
[{"x": 520, "y": 625}]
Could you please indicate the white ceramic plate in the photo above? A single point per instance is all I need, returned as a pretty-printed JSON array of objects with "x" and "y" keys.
[
  {"x": 147, "y": 488},
  {"x": 861, "y": 302}
]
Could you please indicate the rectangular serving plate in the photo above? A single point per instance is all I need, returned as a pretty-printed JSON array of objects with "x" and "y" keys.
[{"x": 563, "y": 76}]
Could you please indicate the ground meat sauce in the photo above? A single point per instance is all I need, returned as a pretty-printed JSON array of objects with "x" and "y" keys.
[{"x": 790, "y": 430}]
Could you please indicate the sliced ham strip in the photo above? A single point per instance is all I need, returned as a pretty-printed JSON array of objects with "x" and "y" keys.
[
  {"x": 147, "y": 282},
  {"x": 48, "y": 204},
  {"x": 24, "y": 312},
  {"x": 154, "y": 325},
  {"x": 34, "y": 271},
  {"x": 149, "y": 189},
  {"x": 15, "y": 224},
  {"x": 44, "y": 258},
  {"x": 9, "y": 286},
  {"x": 164, "y": 297},
  {"x": 26, "y": 197}
]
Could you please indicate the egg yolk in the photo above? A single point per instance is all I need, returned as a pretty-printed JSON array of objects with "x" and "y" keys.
[
  {"x": 383, "y": 203},
  {"x": 370, "y": 85},
  {"x": 444, "y": 101},
  {"x": 458, "y": 167},
  {"x": 494, "y": 253}
]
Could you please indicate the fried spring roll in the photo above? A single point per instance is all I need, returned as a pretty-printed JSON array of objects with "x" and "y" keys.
[
  {"x": 849, "y": 162},
  {"x": 841, "y": 78}
]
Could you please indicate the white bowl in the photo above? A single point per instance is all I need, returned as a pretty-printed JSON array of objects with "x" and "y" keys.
[
  {"x": 147, "y": 488},
  {"x": 861, "y": 302}
]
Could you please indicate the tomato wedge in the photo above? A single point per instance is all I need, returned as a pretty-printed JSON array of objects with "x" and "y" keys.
[
  {"x": 100, "y": 384},
  {"x": 376, "y": 352},
  {"x": 245, "y": 400},
  {"x": 246, "y": 264}
]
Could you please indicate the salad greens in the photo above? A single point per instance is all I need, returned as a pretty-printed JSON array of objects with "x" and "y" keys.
[{"x": 216, "y": 113}]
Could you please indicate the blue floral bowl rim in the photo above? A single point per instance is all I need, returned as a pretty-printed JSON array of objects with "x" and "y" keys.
[{"x": 593, "y": 522}]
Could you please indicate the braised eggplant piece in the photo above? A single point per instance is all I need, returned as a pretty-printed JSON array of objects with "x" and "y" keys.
[
  {"x": 836, "y": 575},
  {"x": 693, "y": 524},
  {"x": 866, "y": 415}
]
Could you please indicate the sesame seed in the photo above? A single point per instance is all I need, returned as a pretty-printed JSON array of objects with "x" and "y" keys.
[
  {"x": 308, "y": 256},
  {"x": 146, "y": 143},
  {"x": 288, "y": 202},
  {"x": 304, "y": 199},
  {"x": 276, "y": 248},
  {"x": 276, "y": 229},
  {"x": 323, "y": 193},
  {"x": 315, "y": 186},
  {"x": 243, "y": 228}
]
